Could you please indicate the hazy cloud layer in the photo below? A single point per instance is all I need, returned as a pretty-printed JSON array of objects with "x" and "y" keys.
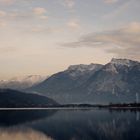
[
  {"x": 68, "y": 3},
  {"x": 2, "y": 13},
  {"x": 125, "y": 42},
  {"x": 73, "y": 24},
  {"x": 7, "y": 2},
  {"x": 39, "y": 11},
  {"x": 110, "y": 1}
]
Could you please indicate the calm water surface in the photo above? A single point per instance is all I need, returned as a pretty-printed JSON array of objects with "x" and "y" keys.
[{"x": 69, "y": 125}]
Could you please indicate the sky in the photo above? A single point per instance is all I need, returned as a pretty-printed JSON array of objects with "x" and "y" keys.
[{"x": 42, "y": 37}]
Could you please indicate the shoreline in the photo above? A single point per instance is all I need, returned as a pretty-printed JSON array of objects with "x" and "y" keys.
[{"x": 70, "y": 108}]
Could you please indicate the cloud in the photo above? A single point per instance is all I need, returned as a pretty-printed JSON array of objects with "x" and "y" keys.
[
  {"x": 2, "y": 23},
  {"x": 2, "y": 13},
  {"x": 39, "y": 11},
  {"x": 45, "y": 30},
  {"x": 123, "y": 8},
  {"x": 8, "y": 49},
  {"x": 73, "y": 24},
  {"x": 110, "y": 1},
  {"x": 68, "y": 3},
  {"x": 44, "y": 17},
  {"x": 12, "y": 15},
  {"x": 124, "y": 42},
  {"x": 7, "y": 2}
]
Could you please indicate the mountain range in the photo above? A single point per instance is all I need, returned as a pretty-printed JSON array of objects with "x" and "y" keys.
[
  {"x": 115, "y": 82},
  {"x": 22, "y": 82}
]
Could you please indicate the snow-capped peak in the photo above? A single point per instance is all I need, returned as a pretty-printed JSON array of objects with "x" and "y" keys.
[
  {"x": 125, "y": 62},
  {"x": 83, "y": 67}
]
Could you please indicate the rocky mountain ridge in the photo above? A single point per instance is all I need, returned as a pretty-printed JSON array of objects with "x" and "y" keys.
[{"x": 116, "y": 81}]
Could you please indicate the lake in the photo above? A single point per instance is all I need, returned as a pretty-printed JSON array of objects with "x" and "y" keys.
[{"x": 95, "y": 124}]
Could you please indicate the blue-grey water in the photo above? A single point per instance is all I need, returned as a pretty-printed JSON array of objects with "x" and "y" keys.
[{"x": 95, "y": 124}]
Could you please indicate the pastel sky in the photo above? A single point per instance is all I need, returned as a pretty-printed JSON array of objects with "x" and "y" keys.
[{"x": 46, "y": 36}]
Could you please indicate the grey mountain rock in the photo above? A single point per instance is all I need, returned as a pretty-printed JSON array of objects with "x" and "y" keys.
[{"x": 117, "y": 81}]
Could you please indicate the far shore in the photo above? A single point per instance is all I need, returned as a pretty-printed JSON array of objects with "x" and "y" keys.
[{"x": 71, "y": 108}]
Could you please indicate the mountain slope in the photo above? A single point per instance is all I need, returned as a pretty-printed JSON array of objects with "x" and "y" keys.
[
  {"x": 12, "y": 98},
  {"x": 115, "y": 77},
  {"x": 117, "y": 81},
  {"x": 64, "y": 81}
]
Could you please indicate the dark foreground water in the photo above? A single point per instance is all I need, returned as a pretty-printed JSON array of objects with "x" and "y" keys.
[{"x": 69, "y": 125}]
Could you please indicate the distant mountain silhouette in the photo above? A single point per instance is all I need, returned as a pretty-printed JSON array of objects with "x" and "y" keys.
[
  {"x": 22, "y": 82},
  {"x": 16, "y": 99}
]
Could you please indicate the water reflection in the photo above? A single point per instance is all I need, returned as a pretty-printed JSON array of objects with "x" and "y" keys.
[
  {"x": 15, "y": 117},
  {"x": 72, "y": 124},
  {"x": 23, "y": 134},
  {"x": 138, "y": 116}
]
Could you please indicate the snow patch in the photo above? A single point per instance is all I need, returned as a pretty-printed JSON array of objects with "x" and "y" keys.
[{"x": 125, "y": 62}]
